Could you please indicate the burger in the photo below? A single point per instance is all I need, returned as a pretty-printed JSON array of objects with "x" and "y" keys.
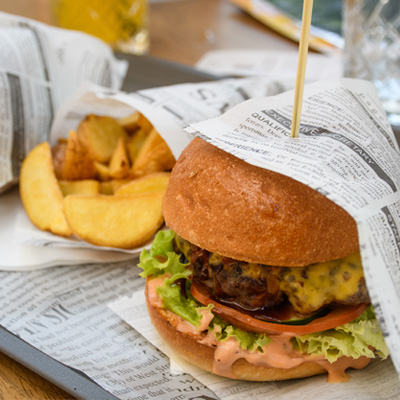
[{"x": 258, "y": 277}]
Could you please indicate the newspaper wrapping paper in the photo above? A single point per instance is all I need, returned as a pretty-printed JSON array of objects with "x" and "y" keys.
[
  {"x": 347, "y": 151},
  {"x": 168, "y": 108},
  {"x": 40, "y": 66},
  {"x": 63, "y": 312}
]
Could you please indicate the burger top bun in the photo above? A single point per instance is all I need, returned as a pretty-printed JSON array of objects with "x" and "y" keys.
[{"x": 227, "y": 206}]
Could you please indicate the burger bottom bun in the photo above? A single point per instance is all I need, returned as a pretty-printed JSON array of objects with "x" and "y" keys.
[{"x": 187, "y": 346}]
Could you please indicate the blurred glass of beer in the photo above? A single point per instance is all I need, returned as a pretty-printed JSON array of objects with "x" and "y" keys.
[{"x": 123, "y": 24}]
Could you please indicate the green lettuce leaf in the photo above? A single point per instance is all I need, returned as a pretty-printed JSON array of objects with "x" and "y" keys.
[
  {"x": 247, "y": 340},
  {"x": 161, "y": 258},
  {"x": 183, "y": 305},
  {"x": 361, "y": 337}
]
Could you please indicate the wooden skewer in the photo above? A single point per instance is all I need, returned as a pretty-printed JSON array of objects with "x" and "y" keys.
[{"x": 301, "y": 66}]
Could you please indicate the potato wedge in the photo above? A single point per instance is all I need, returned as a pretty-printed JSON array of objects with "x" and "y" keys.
[
  {"x": 106, "y": 188},
  {"x": 130, "y": 123},
  {"x": 117, "y": 183},
  {"x": 119, "y": 163},
  {"x": 135, "y": 143},
  {"x": 114, "y": 221},
  {"x": 110, "y": 187},
  {"x": 85, "y": 186},
  {"x": 102, "y": 171},
  {"x": 78, "y": 165},
  {"x": 156, "y": 182},
  {"x": 100, "y": 135},
  {"x": 40, "y": 192},
  {"x": 153, "y": 156}
]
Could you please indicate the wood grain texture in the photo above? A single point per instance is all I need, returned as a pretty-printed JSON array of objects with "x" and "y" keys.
[{"x": 18, "y": 382}]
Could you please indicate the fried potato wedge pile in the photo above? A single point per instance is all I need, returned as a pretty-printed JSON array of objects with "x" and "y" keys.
[{"x": 104, "y": 183}]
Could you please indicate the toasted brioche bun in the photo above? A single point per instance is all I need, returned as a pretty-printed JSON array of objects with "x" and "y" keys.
[
  {"x": 188, "y": 346},
  {"x": 227, "y": 206}
]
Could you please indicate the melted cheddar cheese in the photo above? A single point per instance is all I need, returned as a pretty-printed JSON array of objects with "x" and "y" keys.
[{"x": 309, "y": 288}]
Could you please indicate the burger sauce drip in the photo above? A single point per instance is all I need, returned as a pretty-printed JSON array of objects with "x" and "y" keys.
[
  {"x": 152, "y": 285},
  {"x": 337, "y": 370},
  {"x": 279, "y": 354},
  {"x": 276, "y": 354}
]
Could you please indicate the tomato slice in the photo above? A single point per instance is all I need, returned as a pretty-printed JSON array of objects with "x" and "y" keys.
[{"x": 338, "y": 316}]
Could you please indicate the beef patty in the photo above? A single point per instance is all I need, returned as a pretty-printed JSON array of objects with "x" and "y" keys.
[{"x": 253, "y": 286}]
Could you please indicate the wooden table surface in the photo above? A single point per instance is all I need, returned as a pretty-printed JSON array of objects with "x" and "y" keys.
[{"x": 181, "y": 31}]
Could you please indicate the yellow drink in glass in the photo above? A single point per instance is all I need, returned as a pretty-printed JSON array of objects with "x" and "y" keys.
[{"x": 121, "y": 23}]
